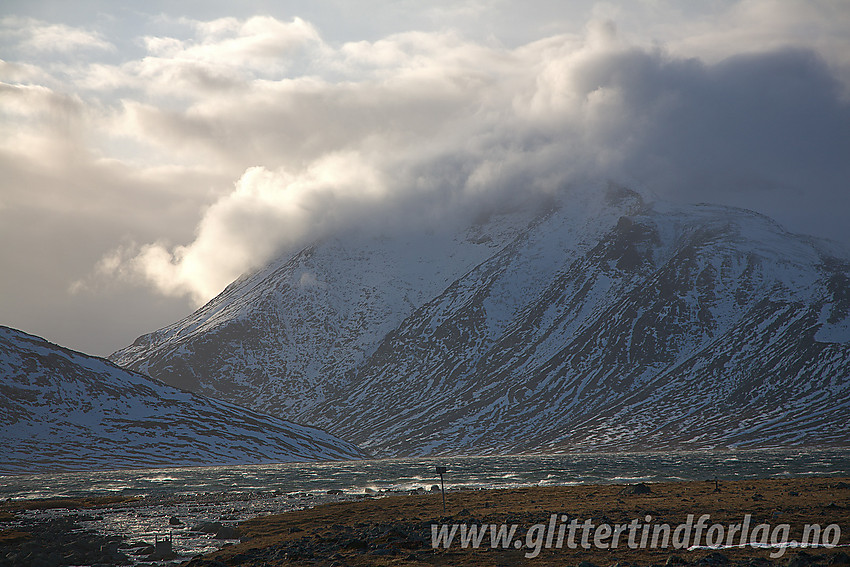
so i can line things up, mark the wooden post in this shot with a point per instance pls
(440, 471)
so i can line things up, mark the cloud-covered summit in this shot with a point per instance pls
(443, 125)
(167, 161)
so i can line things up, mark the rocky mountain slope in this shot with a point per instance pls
(63, 410)
(596, 321)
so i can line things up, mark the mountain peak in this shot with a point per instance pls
(592, 321)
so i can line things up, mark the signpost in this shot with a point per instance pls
(441, 471)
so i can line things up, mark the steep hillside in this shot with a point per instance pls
(63, 410)
(596, 322)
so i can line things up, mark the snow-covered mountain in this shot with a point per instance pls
(595, 321)
(64, 410)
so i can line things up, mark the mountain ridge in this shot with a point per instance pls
(65, 410)
(558, 328)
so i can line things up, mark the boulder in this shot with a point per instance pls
(227, 532)
(639, 488)
(207, 527)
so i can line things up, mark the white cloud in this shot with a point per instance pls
(260, 44)
(21, 73)
(436, 123)
(751, 26)
(44, 37)
(267, 210)
(228, 140)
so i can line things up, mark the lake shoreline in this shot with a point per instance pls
(399, 529)
(396, 527)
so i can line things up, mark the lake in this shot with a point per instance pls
(229, 494)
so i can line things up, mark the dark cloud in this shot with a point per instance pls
(769, 132)
(166, 174)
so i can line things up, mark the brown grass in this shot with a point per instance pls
(395, 530)
(13, 537)
(67, 503)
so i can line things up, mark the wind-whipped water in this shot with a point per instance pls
(229, 494)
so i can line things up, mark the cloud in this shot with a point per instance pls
(267, 210)
(440, 124)
(760, 26)
(167, 172)
(43, 37)
(228, 49)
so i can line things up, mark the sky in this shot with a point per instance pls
(150, 153)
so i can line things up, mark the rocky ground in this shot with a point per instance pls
(65, 532)
(60, 541)
(396, 530)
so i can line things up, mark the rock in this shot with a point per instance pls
(227, 532)
(800, 559)
(199, 561)
(639, 488)
(435, 488)
(145, 550)
(174, 521)
(335, 491)
(714, 558)
(207, 527)
(356, 544)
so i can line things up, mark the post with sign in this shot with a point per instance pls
(441, 471)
